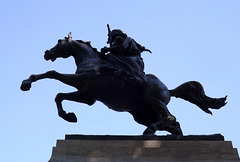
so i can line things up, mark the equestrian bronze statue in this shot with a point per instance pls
(115, 76)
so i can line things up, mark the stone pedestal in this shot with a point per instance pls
(81, 148)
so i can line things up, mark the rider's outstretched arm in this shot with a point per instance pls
(109, 49)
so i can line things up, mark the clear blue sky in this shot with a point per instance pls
(190, 40)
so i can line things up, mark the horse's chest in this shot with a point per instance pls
(88, 66)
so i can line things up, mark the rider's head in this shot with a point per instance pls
(114, 33)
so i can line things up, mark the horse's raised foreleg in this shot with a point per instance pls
(74, 96)
(69, 79)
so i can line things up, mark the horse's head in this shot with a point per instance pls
(62, 49)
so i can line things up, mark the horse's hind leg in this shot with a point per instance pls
(69, 79)
(172, 127)
(74, 96)
(164, 111)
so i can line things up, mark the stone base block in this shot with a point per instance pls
(81, 148)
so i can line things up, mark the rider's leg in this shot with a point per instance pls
(73, 96)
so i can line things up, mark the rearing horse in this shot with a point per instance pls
(93, 83)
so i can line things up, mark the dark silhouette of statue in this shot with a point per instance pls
(115, 76)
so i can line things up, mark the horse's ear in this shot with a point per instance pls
(70, 36)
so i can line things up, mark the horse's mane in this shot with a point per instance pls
(88, 43)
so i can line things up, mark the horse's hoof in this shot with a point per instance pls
(71, 117)
(26, 85)
(149, 132)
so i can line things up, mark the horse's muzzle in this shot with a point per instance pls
(49, 56)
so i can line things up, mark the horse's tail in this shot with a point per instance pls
(193, 92)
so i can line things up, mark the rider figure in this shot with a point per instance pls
(125, 53)
(121, 44)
